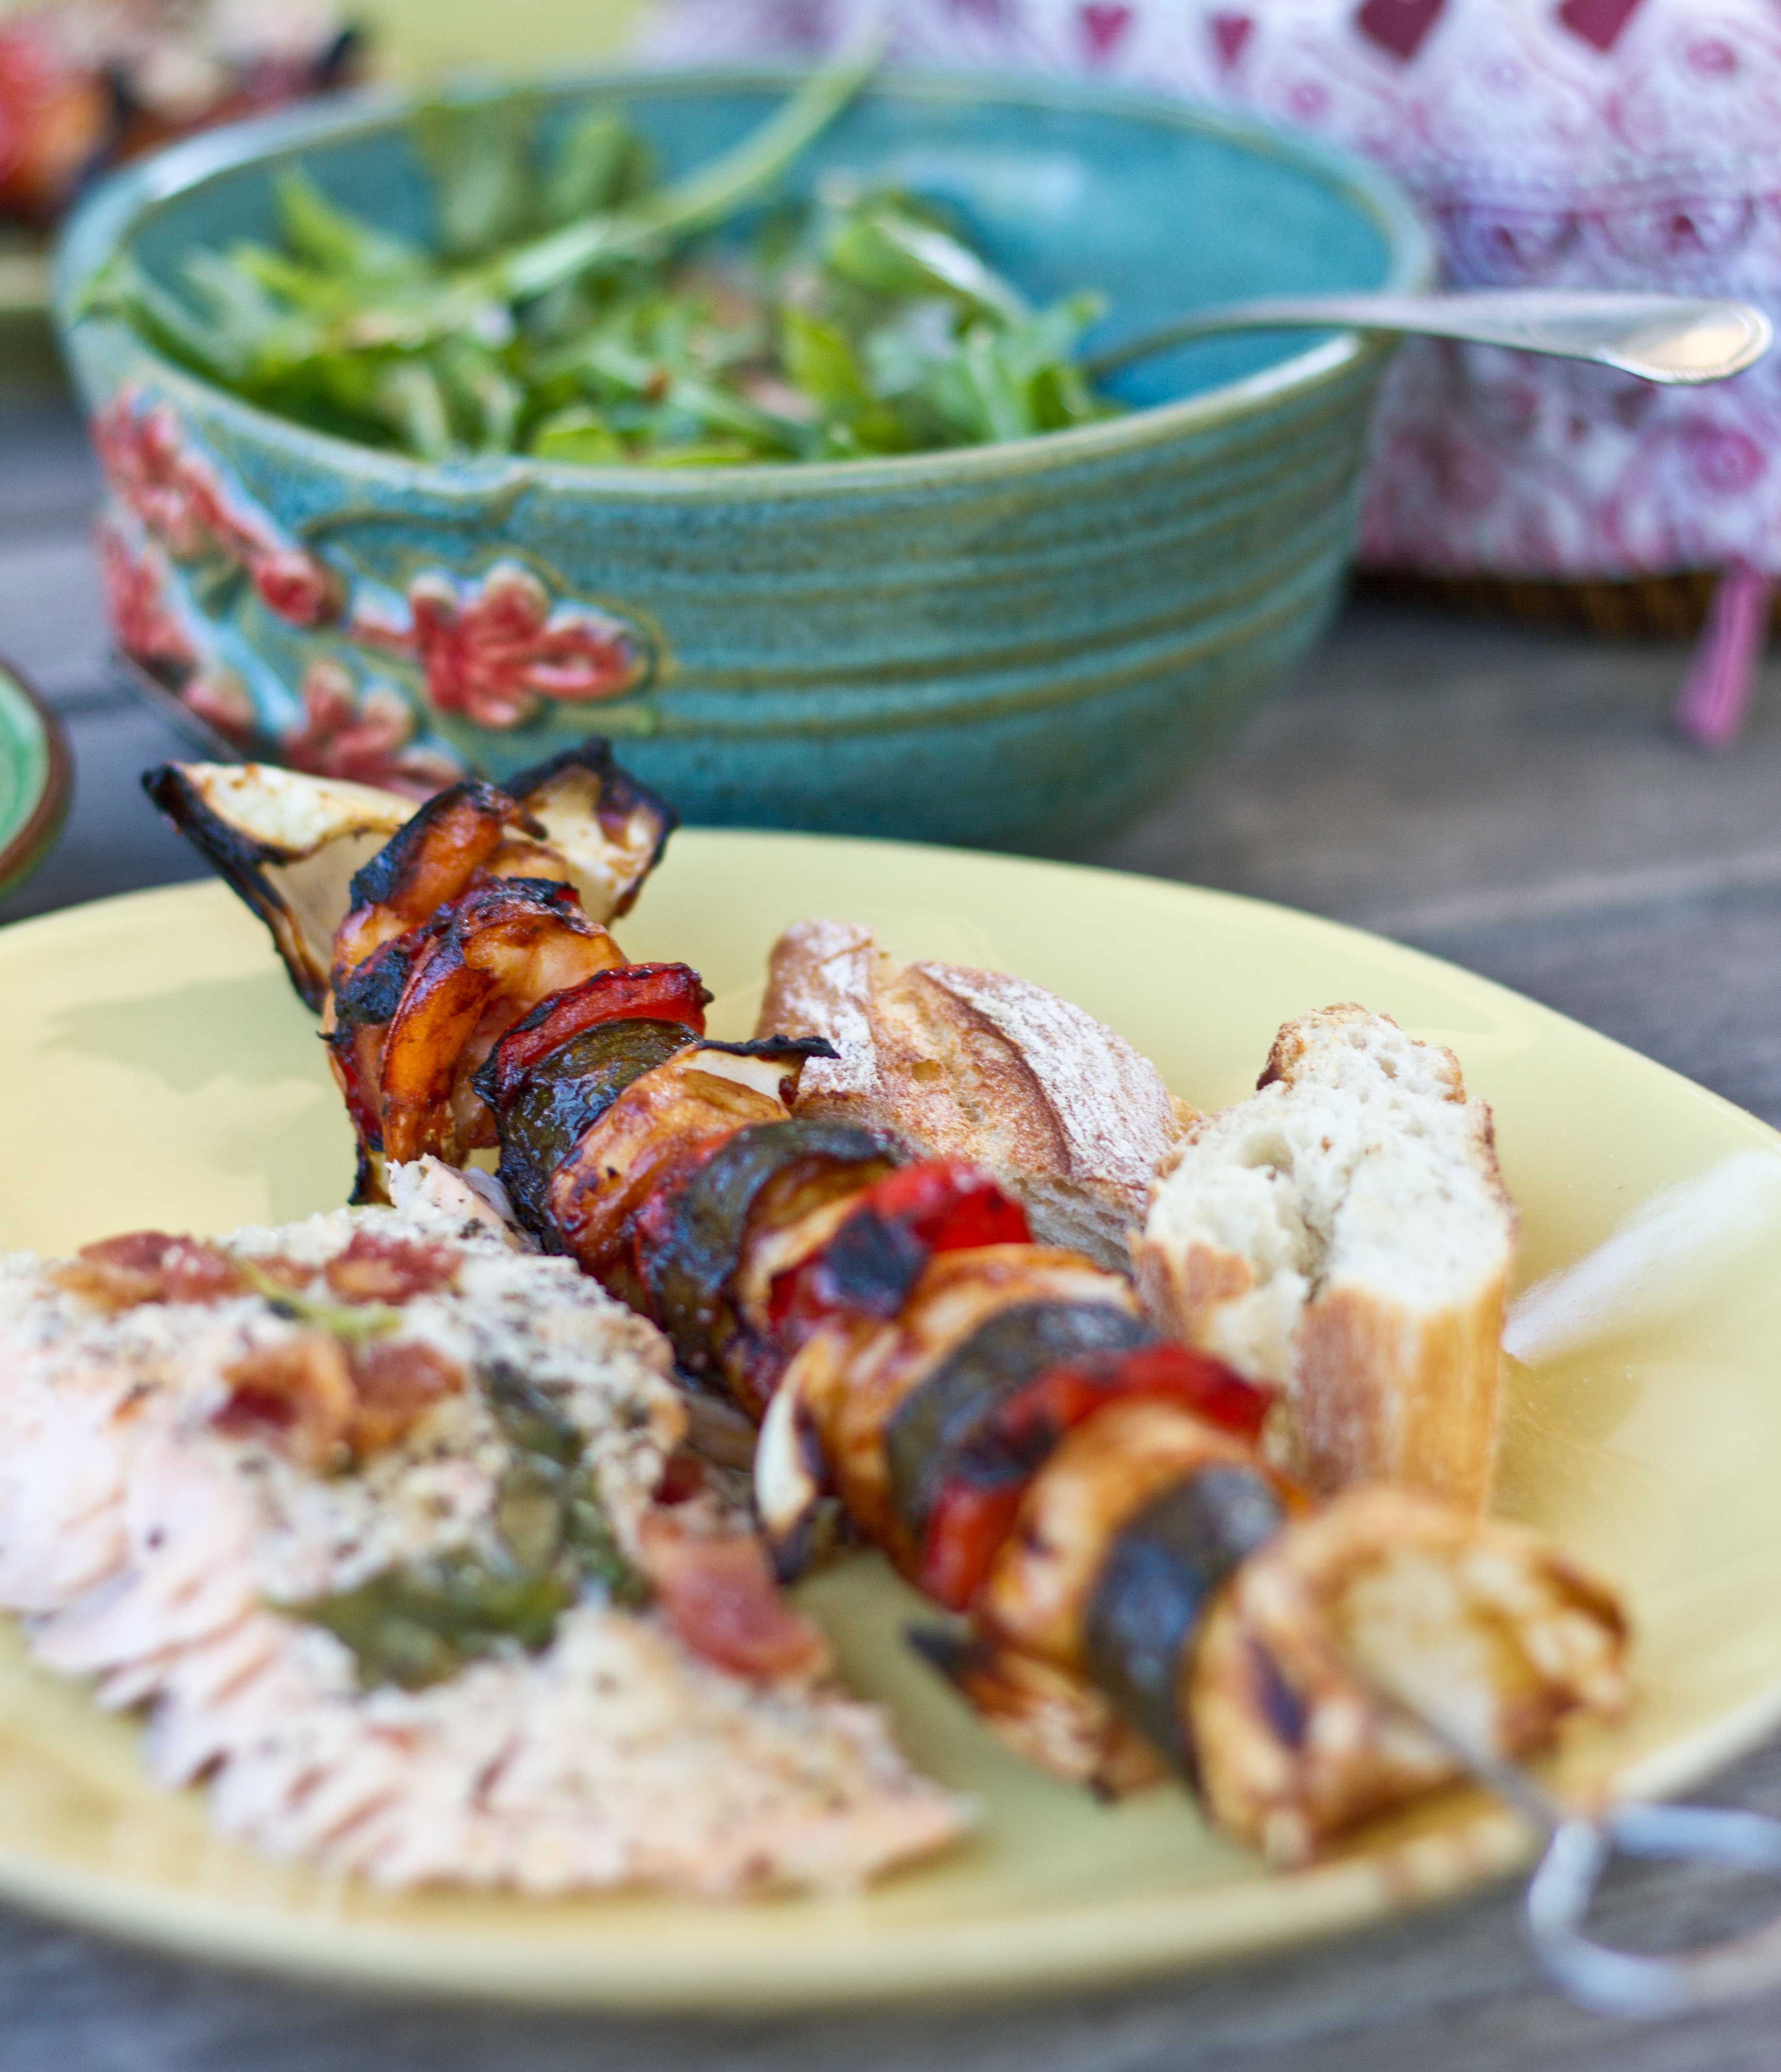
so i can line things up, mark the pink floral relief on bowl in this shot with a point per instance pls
(158, 632)
(139, 598)
(155, 472)
(496, 648)
(180, 540)
(366, 735)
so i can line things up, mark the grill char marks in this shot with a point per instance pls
(611, 830)
(983, 1472)
(547, 1114)
(625, 993)
(992, 1414)
(285, 843)
(929, 1427)
(689, 1272)
(422, 866)
(558, 1070)
(1161, 1573)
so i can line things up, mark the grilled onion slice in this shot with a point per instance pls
(285, 843)
(1502, 1632)
(608, 829)
(291, 846)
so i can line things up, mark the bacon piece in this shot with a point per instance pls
(682, 1477)
(328, 1406)
(132, 1251)
(376, 1268)
(718, 1593)
(117, 1273)
(621, 992)
(502, 947)
(300, 1392)
(431, 860)
(395, 1384)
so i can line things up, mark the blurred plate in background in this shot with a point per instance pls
(36, 779)
(415, 41)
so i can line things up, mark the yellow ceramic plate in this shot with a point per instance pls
(156, 1069)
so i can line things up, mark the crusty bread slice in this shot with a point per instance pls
(1344, 1233)
(984, 1066)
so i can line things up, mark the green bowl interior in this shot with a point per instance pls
(1158, 207)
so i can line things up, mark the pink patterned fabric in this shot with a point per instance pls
(1564, 143)
(1716, 696)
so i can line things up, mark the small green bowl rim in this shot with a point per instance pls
(122, 204)
(28, 839)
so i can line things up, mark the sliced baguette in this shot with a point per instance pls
(1344, 1233)
(984, 1066)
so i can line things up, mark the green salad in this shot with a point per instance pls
(577, 307)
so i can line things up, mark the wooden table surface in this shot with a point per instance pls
(1509, 800)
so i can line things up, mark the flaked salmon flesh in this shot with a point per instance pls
(148, 1550)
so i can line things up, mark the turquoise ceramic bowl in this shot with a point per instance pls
(1019, 645)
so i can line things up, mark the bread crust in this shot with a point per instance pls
(978, 1065)
(1377, 1388)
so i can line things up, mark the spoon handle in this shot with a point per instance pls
(1667, 339)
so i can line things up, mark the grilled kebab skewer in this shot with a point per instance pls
(1134, 1590)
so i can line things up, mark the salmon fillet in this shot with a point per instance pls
(157, 1543)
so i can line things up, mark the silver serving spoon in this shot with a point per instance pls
(1660, 338)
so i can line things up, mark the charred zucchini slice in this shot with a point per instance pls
(1160, 1574)
(687, 1275)
(939, 1418)
(547, 1115)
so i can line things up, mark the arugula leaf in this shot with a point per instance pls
(880, 246)
(334, 241)
(601, 164)
(576, 308)
(421, 1622)
(820, 359)
(576, 433)
(703, 198)
(355, 1323)
(478, 154)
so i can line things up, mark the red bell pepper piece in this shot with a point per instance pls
(898, 1224)
(977, 1506)
(625, 993)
